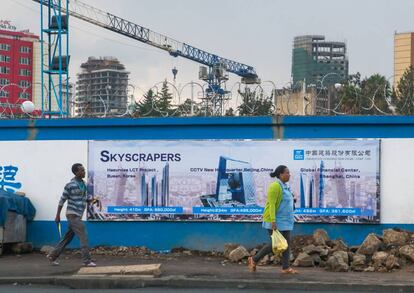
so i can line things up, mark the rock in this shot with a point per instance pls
(316, 259)
(275, 259)
(304, 260)
(343, 255)
(324, 253)
(312, 249)
(358, 262)
(370, 245)
(238, 254)
(265, 260)
(254, 251)
(46, 249)
(354, 248)
(339, 245)
(336, 262)
(382, 269)
(229, 247)
(320, 236)
(22, 247)
(392, 237)
(392, 262)
(380, 257)
(369, 269)
(123, 249)
(407, 251)
(350, 256)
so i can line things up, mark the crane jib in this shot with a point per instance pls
(175, 48)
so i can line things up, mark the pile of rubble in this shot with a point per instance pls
(141, 251)
(391, 251)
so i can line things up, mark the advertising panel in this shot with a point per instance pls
(227, 180)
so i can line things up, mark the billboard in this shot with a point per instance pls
(227, 180)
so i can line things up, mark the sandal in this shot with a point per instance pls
(289, 271)
(251, 264)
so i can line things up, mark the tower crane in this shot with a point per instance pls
(214, 69)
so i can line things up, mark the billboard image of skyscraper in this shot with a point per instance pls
(155, 192)
(235, 185)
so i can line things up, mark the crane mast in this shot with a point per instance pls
(215, 68)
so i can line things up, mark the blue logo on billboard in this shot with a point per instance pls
(298, 154)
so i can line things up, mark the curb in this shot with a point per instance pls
(140, 281)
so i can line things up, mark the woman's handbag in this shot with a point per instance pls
(279, 243)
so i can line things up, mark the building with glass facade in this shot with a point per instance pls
(318, 62)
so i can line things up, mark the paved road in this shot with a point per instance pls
(53, 289)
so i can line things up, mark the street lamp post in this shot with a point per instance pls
(108, 108)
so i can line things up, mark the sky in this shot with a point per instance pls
(258, 33)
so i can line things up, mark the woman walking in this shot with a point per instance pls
(278, 214)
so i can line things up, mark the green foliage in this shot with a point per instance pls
(155, 105)
(230, 112)
(364, 97)
(254, 104)
(348, 100)
(405, 93)
(188, 108)
(145, 108)
(375, 90)
(164, 101)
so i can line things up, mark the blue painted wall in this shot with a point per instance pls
(196, 235)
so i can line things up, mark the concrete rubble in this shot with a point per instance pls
(377, 253)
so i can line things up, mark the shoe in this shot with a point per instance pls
(289, 271)
(89, 264)
(251, 264)
(53, 261)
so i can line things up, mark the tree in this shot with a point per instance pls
(147, 106)
(164, 101)
(405, 93)
(375, 90)
(188, 108)
(230, 112)
(348, 99)
(254, 104)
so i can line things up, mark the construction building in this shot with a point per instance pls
(403, 54)
(101, 88)
(296, 102)
(306, 100)
(318, 62)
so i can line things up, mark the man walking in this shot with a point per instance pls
(76, 195)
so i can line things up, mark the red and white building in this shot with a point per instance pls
(19, 68)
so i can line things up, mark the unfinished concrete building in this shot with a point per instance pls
(318, 62)
(101, 88)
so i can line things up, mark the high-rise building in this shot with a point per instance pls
(156, 192)
(235, 182)
(19, 68)
(321, 198)
(318, 62)
(102, 88)
(403, 54)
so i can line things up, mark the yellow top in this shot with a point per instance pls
(274, 197)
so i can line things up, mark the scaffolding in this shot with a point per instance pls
(54, 48)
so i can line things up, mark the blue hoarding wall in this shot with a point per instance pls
(211, 235)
